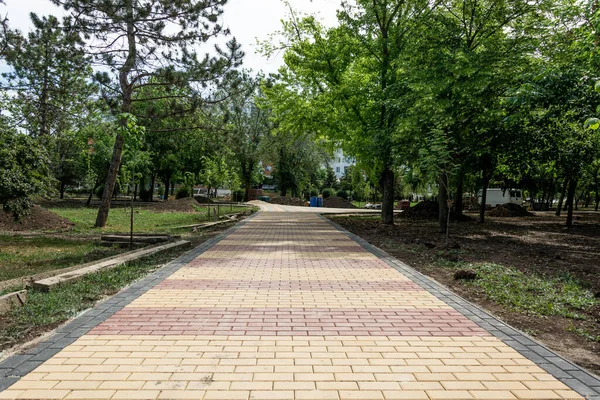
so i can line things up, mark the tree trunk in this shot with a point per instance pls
(387, 206)
(570, 200)
(443, 202)
(562, 198)
(486, 183)
(167, 183)
(126, 93)
(152, 183)
(458, 200)
(172, 188)
(62, 190)
(111, 180)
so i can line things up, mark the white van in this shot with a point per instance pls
(496, 197)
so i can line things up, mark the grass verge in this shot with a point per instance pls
(22, 256)
(145, 221)
(45, 311)
(530, 293)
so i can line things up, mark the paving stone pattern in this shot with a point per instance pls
(287, 306)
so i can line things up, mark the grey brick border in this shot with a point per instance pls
(15, 367)
(583, 382)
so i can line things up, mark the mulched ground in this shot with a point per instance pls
(540, 244)
(181, 205)
(337, 202)
(38, 219)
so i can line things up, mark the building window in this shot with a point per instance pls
(337, 169)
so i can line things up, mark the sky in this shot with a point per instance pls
(248, 21)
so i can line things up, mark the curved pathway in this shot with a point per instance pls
(288, 306)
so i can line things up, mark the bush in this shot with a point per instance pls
(328, 192)
(314, 193)
(145, 194)
(183, 192)
(238, 195)
(343, 194)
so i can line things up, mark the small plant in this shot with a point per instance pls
(183, 192)
(328, 192)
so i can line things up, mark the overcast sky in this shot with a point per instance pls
(248, 20)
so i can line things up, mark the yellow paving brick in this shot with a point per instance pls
(43, 394)
(181, 395)
(74, 385)
(536, 394)
(448, 394)
(362, 395)
(495, 394)
(135, 394)
(272, 395)
(90, 394)
(227, 395)
(316, 395)
(405, 394)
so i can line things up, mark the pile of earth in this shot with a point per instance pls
(337, 202)
(509, 210)
(288, 201)
(203, 200)
(38, 219)
(187, 204)
(471, 204)
(427, 209)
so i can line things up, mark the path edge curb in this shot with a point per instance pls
(18, 365)
(577, 378)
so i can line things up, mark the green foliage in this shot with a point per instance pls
(328, 192)
(21, 256)
(24, 172)
(343, 194)
(533, 294)
(183, 192)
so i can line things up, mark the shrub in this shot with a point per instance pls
(145, 194)
(343, 194)
(183, 192)
(328, 192)
(238, 195)
(314, 193)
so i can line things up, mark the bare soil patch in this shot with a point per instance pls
(187, 204)
(38, 219)
(539, 246)
(337, 202)
(288, 201)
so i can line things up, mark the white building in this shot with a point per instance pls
(340, 163)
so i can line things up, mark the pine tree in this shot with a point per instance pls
(48, 79)
(148, 42)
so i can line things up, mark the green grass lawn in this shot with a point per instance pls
(145, 221)
(45, 311)
(21, 256)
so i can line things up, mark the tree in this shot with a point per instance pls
(247, 124)
(147, 43)
(48, 81)
(24, 172)
(344, 83)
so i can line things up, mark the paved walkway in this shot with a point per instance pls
(286, 307)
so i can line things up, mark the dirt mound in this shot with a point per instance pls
(337, 202)
(428, 209)
(203, 200)
(181, 205)
(38, 219)
(509, 210)
(288, 201)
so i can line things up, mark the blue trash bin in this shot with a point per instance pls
(319, 202)
(313, 201)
